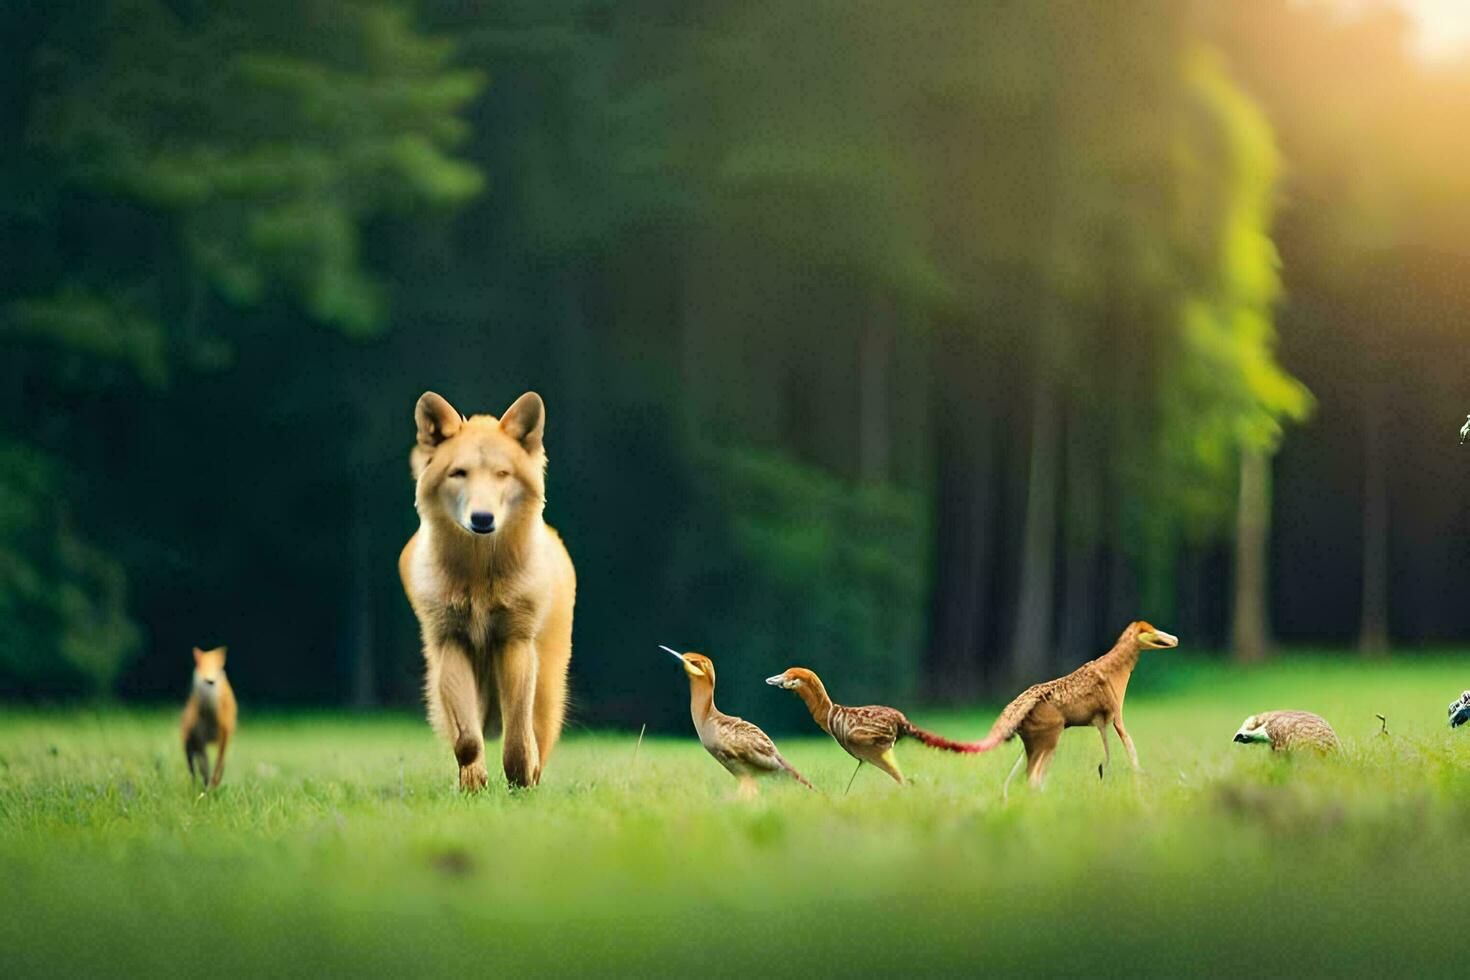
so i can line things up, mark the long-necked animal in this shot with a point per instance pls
(1090, 695)
(492, 586)
(744, 750)
(868, 733)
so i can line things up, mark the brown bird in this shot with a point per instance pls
(1289, 730)
(736, 744)
(1090, 695)
(867, 733)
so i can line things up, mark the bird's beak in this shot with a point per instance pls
(778, 681)
(1248, 735)
(689, 668)
(1159, 638)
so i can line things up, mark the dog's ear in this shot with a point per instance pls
(197, 654)
(525, 421)
(222, 651)
(436, 419)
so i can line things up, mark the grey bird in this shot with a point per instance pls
(1460, 709)
(1286, 731)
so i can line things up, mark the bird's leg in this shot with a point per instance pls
(1005, 791)
(1102, 729)
(854, 776)
(889, 764)
(748, 788)
(1127, 742)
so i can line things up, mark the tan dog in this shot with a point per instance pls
(209, 716)
(491, 584)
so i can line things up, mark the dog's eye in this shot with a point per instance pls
(457, 474)
(503, 474)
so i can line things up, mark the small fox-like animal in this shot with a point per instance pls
(209, 716)
(868, 733)
(1090, 695)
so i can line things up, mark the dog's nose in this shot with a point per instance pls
(482, 522)
(209, 681)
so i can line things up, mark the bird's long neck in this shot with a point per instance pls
(1118, 663)
(701, 699)
(814, 694)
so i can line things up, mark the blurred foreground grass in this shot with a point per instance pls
(338, 844)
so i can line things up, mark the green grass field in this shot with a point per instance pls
(339, 844)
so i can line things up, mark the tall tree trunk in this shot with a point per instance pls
(1373, 626)
(1252, 533)
(1193, 618)
(1032, 637)
(1122, 587)
(959, 620)
(1084, 519)
(875, 409)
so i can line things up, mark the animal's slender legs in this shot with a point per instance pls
(854, 776)
(1102, 729)
(889, 764)
(515, 677)
(198, 762)
(219, 758)
(1127, 742)
(189, 759)
(459, 697)
(1044, 744)
(1038, 769)
(1005, 792)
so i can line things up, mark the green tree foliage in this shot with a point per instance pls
(1034, 174)
(856, 321)
(827, 565)
(199, 160)
(64, 621)
(268, 131)
(1372, 235)
(1220, 389)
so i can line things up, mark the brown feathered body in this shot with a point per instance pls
(743, 749)
(866, 733)
(1289, 731)
(1091, 695)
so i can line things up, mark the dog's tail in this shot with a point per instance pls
(910, 730)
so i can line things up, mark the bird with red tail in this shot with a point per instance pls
(868, 733)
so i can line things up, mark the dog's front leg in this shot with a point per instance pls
(515, 676)
(459, 696)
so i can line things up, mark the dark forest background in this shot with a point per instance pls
(923, 344)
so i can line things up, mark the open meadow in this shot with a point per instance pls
(339, 844)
